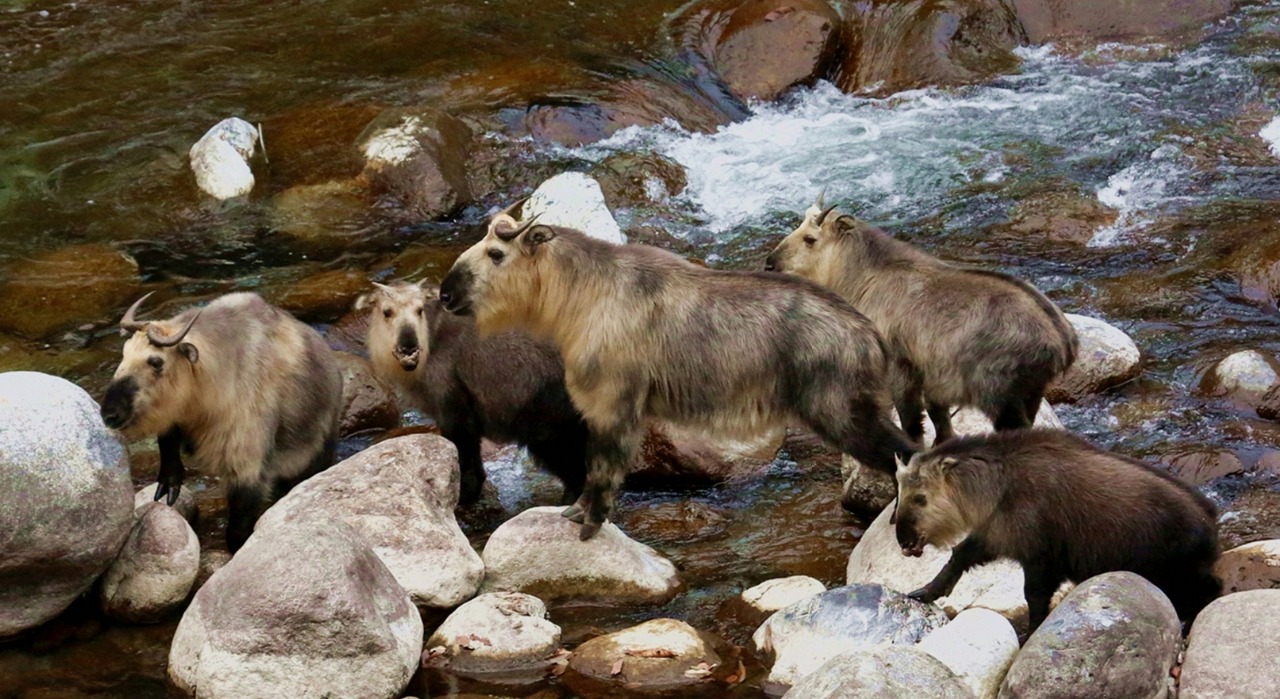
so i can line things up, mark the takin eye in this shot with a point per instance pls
(496, 255)
(386, 313)
(809, 241)
(919, 499)
(156, 363)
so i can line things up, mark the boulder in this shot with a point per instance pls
(220, 159)
(1232, 649)
(1199, 466)
(419, 158)
(803, 636)
(156, 568)
(538, 552)
(368, 403)
(883, 672)
(185, 506)
(1269, 404)
(211, 561)
(1107, 357)
(1253, 566)
(1244, 377)
(1054, 20)
(639, 179)
(66, 502)
(303, 610)
(399, 496)
(321, 297)
(573, 200)
(977, 646)
(501, 633)
(661, 657)
(1060, 216)
(323, 219)
(1115, 636)
(673, 455)
(777, 594)
(58, 290)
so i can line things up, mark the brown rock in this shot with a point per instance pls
(1049, 20)
(1269, 404)
(61, 289)
(320, 297)
(367, 402)
(419, 158)
(679, 520)
(1253, 566)
(638, 179)
(322, 216)
(312, 143)
(671, 456)
(659, 658)
(1198, 467)
(1060, 216)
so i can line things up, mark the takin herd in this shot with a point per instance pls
(567, 345)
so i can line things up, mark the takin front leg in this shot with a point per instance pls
(172, 472)
(907, 386)
(1039, 584)
(245, 503)
(466, 438)
(969, 553)
(609, 453)
(940, 416)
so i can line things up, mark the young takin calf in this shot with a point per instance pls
(1063, 509)
(507, 387)
(647, 335)
(246, 390)
(957, 336)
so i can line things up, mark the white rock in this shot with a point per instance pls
(220, 159)
(978, 646)
(303, 610)
(186, 504)
(1253, 566)
(538, 552)
(772, 595)
(399, 495)
(1271, 134)
(1107, 357)
(501, 632)
(1245, 376)
(574, 200)
(154, 572)
(661, 657)
(1232, 649)
(66, 501)
(883, 672)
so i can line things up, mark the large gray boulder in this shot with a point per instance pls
(399, 495)
(156, 568)
(1107, 357)
(978, 646)
(303, 610)
(1232, 649)
(882, 672)
(538, 552)
(806, 634)
(499, 634)
(66, 502)
(1116, 636)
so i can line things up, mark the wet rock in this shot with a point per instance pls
(1232, 649)
(885, 672)
(1115, 636)
(155, 570)
(672, 455)
(639, 179)
(419, 157)
(211, 561)
(573, 200)
(185, 506)
(661, 657)
(59, 290)
(1244, 377)
(1050, 20)
(305, 609)
(1107, 357)
(399, 496)
(66, 502)
(220, 159)
(1254, 566)
(758, 603)
(1269, 404)
(1198, 467)
(1253, 515)
(681, 520)
(502, 633)
(760, 48)
(311, 143)
(538, 552)
(367, 402)
(878, 558)
(1069, 217)
(803, 636)
(320, 297)
(322, 217)
(978, 646)
(904, 45)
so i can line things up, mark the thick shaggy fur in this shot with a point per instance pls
(1064, 510)
(251, 395)
(507, 387)
(646, 335)
(957, 336)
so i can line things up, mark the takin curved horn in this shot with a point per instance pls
(821, 196)
(510, 235)
(822, 215)
(507, 216)
(161, 340)
(129, 322)
(383, 287)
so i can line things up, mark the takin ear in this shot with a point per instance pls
(430, 291)
(845, 225)
(537, 235)
(189, 351)
(364, 301)
(948, 463)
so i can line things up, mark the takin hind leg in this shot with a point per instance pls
(1040, 581)
(862, 431)
(1011, 415)
(908, 387)
(466, 439)
(940, 416)
(566, 459)
(609, 453)
(245, 503)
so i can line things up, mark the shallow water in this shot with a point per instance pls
(99, 103)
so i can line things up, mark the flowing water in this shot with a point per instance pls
(99, 102)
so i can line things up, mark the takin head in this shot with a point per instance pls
(155, 379)
(811, 250)
(932, 508)
(399, 316)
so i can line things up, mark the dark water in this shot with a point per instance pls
(99, 103)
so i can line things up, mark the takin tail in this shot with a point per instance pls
(1070, 343)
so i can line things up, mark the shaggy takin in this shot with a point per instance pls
(1063, 509)
(507, 387)
(647, 335)
(957, 336)
(244, 389)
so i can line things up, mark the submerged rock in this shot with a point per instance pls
(672, 455)
(58, 290)
(1107, 357)
(1232, 649)
(1116, 636)
(185, 505)
(399, 496)
(368, 403)
(978, 646)
(320, 297)
(66, 501)
(777, 594)
(883, 672)
(1244, 377)
(538, 552)
(1253, 566)
(808, 633)
(501, 633)
(573, 200)
(661, 657)
(303, 610)
(220, 159)
(639, 179)
(1199, 466)
(156, 569)
(1050, 20)
(419, 157)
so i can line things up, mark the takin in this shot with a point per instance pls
(1063, 509)
(507, 387)
(647, 335)
(957, 336)
(244, 389)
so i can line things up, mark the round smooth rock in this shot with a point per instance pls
(1107, 357)
(1232, 649)
(978, 646)
(884, 672)
(573, 200)
(661, 657)
(505, 633)
(419, 157)
(155, 570)
(1252, 566)
(368, 403)
(1243, 376)
(220, 159)
(185, 505)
